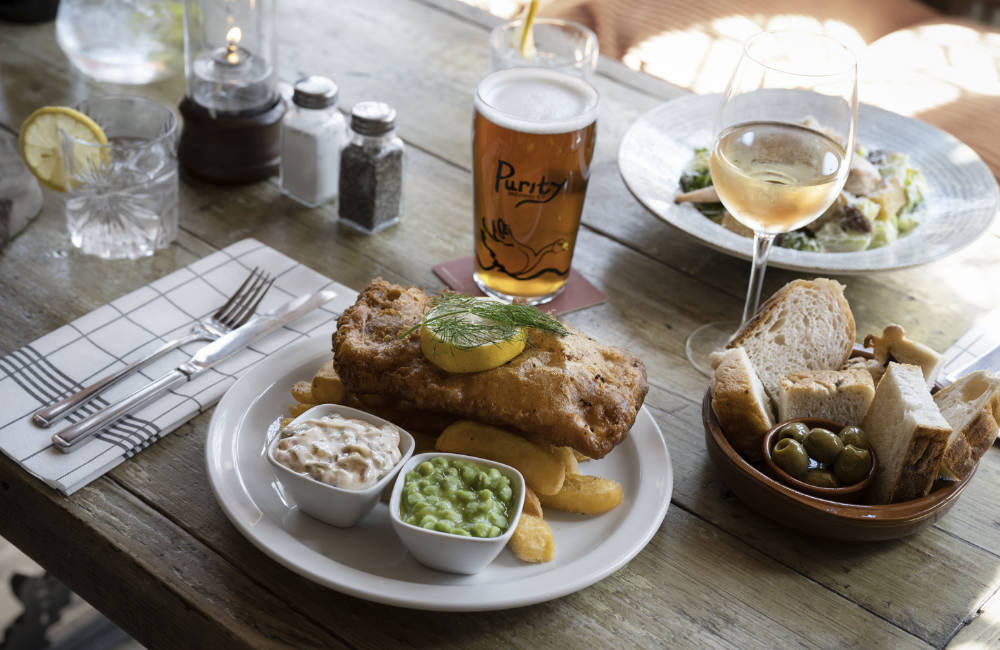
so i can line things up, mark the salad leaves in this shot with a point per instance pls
(889, 209)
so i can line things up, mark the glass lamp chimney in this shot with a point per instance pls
(230, 51)
(232, 109)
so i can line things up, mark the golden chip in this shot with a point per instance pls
(302, 392)
(568, 458)
(586, 495)
(298, 409)
(532, 540)
(532, 506)
(327, 388)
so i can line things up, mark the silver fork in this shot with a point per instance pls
(235, 312)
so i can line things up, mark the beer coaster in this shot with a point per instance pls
(578, 294)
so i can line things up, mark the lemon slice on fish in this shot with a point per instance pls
(40, 144)
(462, 342)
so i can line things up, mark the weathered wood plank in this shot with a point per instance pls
(982, 631)
(968, 518)
(116, 552)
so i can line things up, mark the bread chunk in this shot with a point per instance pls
(908, 433)
(894, 346)
(972, 407)
(564, 390)
(839, 395)
(740, 403)
(871, 366)
(805, 325)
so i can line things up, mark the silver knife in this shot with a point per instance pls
(989, 361)
(225, 346)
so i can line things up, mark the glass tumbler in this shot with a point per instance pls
(558, 44)
(122, 201)
(122, 41)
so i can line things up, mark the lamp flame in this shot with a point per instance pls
(233, 37)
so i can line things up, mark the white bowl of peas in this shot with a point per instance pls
(455, 513)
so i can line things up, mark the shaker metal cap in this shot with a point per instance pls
(373, 118)
(315, 91)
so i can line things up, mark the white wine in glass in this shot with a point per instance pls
(782, 149)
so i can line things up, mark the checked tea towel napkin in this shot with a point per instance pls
(126, 329)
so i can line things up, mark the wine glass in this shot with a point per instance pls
(782, 150)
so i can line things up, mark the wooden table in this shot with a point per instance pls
(148, 545)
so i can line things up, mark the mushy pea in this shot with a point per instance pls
(457, 497)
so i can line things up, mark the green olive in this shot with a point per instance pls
(823, 445)
(822, 478)
(853, 464)
(791, 456)
(796, 430)
(854, 436)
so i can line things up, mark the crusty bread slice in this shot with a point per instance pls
(894, 346)
(805, 325)
(871, 366)
(972, 407)
(839, 395)
(740, 403)
(908, 434)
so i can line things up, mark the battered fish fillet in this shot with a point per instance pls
(565, 390)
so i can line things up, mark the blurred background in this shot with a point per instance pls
(937, 60)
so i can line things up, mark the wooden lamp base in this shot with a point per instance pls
(230, 150)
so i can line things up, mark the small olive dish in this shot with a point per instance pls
(447, 551)
(849, 493)
(331, 504)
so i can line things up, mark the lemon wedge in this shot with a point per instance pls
(451, 357)
(40, 144)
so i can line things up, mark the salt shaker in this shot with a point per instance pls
(312, 135)
(371, 170)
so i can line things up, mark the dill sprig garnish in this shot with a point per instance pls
(467, 322)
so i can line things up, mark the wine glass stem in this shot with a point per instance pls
(761, 249)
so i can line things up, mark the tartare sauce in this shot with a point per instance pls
(346, 453)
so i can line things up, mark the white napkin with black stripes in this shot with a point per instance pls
(77, 354)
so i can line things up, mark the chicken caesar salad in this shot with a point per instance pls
(883, 199)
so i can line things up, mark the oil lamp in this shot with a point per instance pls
(232, 109)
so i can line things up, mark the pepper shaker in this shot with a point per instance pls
(371, 170)
(312, 135)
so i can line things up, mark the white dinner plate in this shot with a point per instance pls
(368, 561)
(962, 197)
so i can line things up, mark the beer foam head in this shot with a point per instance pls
(536, 100)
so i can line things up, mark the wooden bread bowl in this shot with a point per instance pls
(816, 516)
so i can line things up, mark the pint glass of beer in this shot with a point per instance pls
(533, 139)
